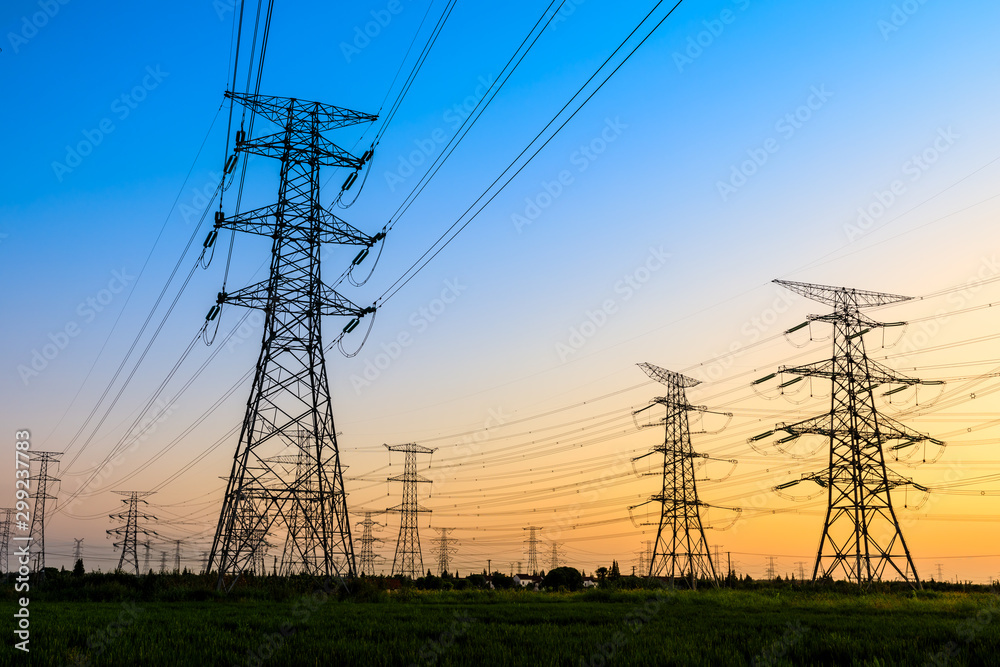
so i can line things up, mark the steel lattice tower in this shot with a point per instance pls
(42, 481)
(78, 549)
(681, 549)
(408, 561)
(532, 543)
(291, 392)
(145, 557)
(555, 556)
(129, 533)
(8, 517)
(445, 550)
(366, 561)
(861, 536)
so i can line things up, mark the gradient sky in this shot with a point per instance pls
(884, 87)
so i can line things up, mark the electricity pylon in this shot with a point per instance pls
(861, 536)
(366, 561)
(177, 557)
(291, 392)
(445, 549)
(408, 555)
(78, 549)
(8, 517)
(554, 563)
(129, 533)
(145, 557)
(532, 543)
(681, 550)
(42, 481)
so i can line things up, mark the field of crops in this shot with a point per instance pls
(406, 627)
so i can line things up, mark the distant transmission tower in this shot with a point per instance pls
(532, 543)
(177, 557)
(445, 549)
(681, 550)
(366, 561)
(129, 533)
(291, 392)
(408, 561)
(163, 562)
(145, 557)
(861, 536)
(8, 516)
(42, 481)
(77, 549)
(554, 563)
(771, 571)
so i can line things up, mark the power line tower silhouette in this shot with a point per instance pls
(680, 550)
(42, 482)
(366, 561)
(554, 562)
(771, 572)
(291, 391)
(8, 517)
(445, 549)
(163, 562)
(532, 543)
(177, 557)
(408, 555)
(861, 537)
(78, 549)
(129, 533)
(145, 557)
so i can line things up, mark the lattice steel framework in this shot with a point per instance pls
(532, 543)
(41, 481)
(8, 516)
(680, 551)
(409, 561)
(445, 550)
(366, 561)
(861, 537)
(291, 393)
(130, 531)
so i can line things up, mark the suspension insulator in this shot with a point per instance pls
(764, 379)
(361, 257)
(350, 181)
(231, 163)
(897, 390)
(351, 326)
(220, 218)
(789, 383)
(797, 327)
(761, 436)
(213, 313)
(367, 156)
(241, 136)
(210, 239)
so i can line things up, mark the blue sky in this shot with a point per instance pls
(873, 86)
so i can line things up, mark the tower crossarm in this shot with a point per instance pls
(330, 301)
(875, 374)
(300, 148)
(280, 109)
(839, 296)
(406, 508)
(314, 219)
(669, 378)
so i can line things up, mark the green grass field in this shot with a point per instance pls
(715, 627)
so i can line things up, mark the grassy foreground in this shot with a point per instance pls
(720, 627)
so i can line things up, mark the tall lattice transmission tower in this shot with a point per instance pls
(554, 562)
(366, 561)
(680, 551)
(861, 537)
(128, 533)
(42, 480)
(77, 549)
(408, 561)
(291, 393)
(145, 557)
(8, 516)
(532, 543)
(446, 548)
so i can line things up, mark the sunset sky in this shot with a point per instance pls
(848, 144)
